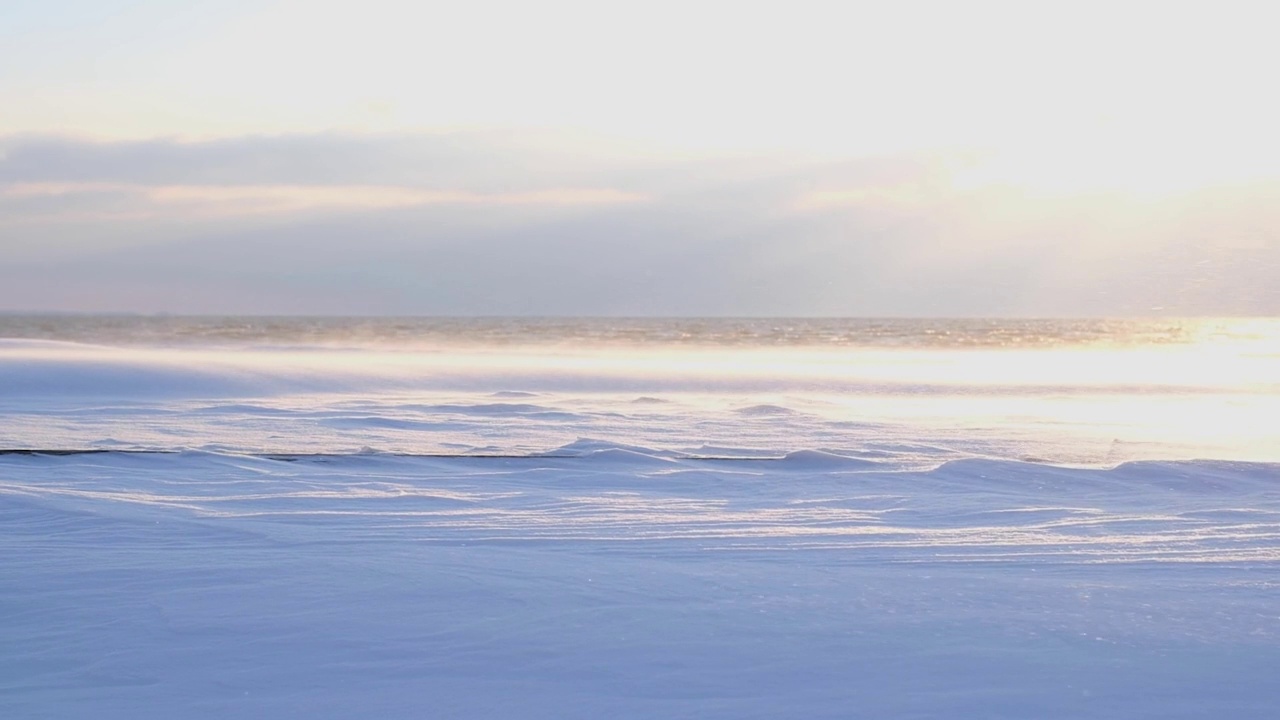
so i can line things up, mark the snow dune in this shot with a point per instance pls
(923, 407)
(611, 580)
(230, 528)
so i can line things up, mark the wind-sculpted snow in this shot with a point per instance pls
(610, 580)
(528, 400)
(560, 526)
(50, 370)
(964, 510)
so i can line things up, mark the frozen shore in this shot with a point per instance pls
(585, 519)
(635, 585)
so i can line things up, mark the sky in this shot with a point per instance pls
(657, 158)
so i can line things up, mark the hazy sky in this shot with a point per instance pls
(651, 158)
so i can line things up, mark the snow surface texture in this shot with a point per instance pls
(333, 533)
(921, 407)
(622, 584)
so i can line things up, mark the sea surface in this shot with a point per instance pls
(693, 518)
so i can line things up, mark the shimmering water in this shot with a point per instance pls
(734, 332)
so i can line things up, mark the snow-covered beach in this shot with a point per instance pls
(627, 361)
(642, 520)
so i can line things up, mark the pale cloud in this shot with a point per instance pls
(203, 201)
(840, 158)
(473, 225)
(473, 161)
(49, 180)
(903, 194)
(829, 79)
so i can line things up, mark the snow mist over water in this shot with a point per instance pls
(1077, 392)
(273, 517)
